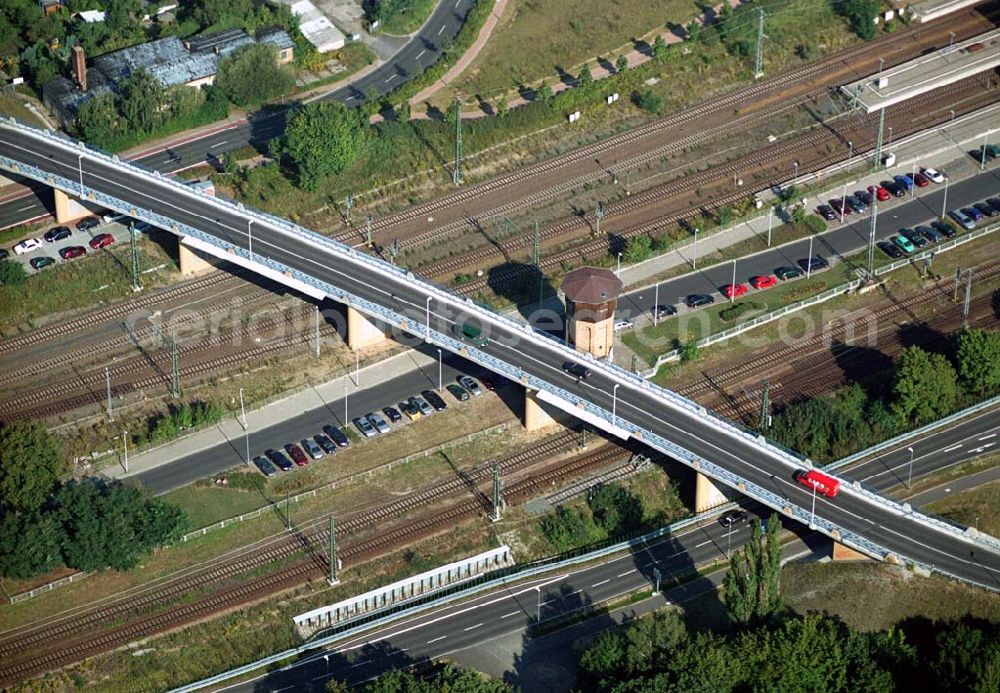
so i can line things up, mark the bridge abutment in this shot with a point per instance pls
(361, 331)
(68, 208)
(842, 553)
(192, 264)
(706, 494)
(535, 415)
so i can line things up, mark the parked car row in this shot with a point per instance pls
(759, 282)
(860, 200)
(61, 233)
(911, 240)
(370, 425)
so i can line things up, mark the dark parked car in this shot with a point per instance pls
(856, 204)
(337, 436)
(459, 392)
(88, 223)
(489, 381)
(840, 206)
(890, 249)
(101, 240)
(295, 452)
(905, 181)
(265, 466)
(973, 214)
(577, 369)
(278, 459)
(57, 233)
(915, 238)
(434, 399)
(864, 196)
(986, 209)
(994, 202)
(392, 414)
(947, 230)
(72, 251)
(329, 447)
(826, 211)
(699, 300)
(895, 189)
(663, 311)
(930, 234)
(813, 264)
(41, 262)
(786, 273)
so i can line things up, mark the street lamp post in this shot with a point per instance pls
(843, 203)
(619, 272)
(614, 405)
(427, 333)
(345, 403)
(538, 605)
(440, 381)
(951, 127)
(809, 258)
(694, 257)
(850, 153)
(250, 238)
(770, 220)
(812, 520)
(243, 422)
(909, 476)
(729, 541)
(889, 143)
(795, 180)
(732, 287)
(79, 164)
(125, 443)
(944, 203)
(656, 304)
(982, 156)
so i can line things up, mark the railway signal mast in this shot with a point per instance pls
(758, 67)
(332, 555)
(497, 494)
(457, 174)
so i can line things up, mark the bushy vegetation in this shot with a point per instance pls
(252, 75)
(861, 14)
(920, 388)
(753, 582)
(612, 512)
(322, 139)
(143, 109)
(793, 653)
(178, 419)
(398, 16)
(90, 524)
(12, 272)
(736, 310)
(447, 679)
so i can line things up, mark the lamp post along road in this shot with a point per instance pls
(427, 332)
(732, 291)
(125, 443)
(694, 252)
(243, 422)
(909, 475)
(250, 238)
(440, 364)
(656, 304)
(614, 405)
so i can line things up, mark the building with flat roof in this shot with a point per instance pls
(315, 26)
(172, 61)
(937, 69)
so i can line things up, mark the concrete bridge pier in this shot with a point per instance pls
(192, 264)
(706, 494)
(361, 331)
(536, 417)
(68, 208)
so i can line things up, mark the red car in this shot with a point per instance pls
(921, 180)
(734, 290)
(101, 240)
(72, 251)
(819, 482)
(879, 192)
(763, 281)
(295, 452)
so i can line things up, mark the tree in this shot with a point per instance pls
(638, 249)
(251, 75)
(324, 138)
(98, 121)
(648, 101)
(544, 93)
(659, 48)
(693, 30)
(209, 12)
(31, 461)
(584, 78)
(968, 659)
(141, 101)
(925, 386)
(861, 14)
(621, 64)
(605, 655)
(752, 585)
(616, 510)
(29, 544)
(978, 356)
(690, 351)
(12, 273)
(502, 106)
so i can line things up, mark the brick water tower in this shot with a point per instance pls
(591, 297)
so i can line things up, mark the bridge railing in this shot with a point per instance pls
(413, 326)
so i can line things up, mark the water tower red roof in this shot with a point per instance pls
(591, 285)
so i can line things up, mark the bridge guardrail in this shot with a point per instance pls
(635, 380)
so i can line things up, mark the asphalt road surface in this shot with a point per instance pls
(833, 245)
(903, 534)
(184, 470)
(519, 607)
(413, 58)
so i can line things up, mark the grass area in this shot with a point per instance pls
(207, 504)
(952, 473)
(16, 233)
(352, 57)
(869, 596)
(978, 507)
(409, 19)
(100, 278)
(12, 106)
(535, 39)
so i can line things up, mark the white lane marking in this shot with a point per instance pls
(218, 144)
(991, 435)
(626, 572)
(350, 98)
(419, 54)
(602, 582)
(472, 627)
(512, 613)
(953, 447)
(390, 77)
(24, 209)
(441, 30)
(361, 663)
(698, 546)
(429, 642)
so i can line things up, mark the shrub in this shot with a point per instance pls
(737, 309)
(648, 101)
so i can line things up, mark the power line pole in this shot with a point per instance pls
(968, 293)
(317, 331)
(765, 407)
(368, 231)
(394, 249)
(497, 493)
(133, 244)
(871, 239)
(332, 555)
(458, 142)
(348, 203)
(536, 257)
(878, 140)
(758, 68)
(175, 374)
(107, 382)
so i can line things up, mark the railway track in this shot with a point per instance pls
(761, 164)
(833, 69)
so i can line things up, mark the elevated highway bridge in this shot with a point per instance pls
(411, 308)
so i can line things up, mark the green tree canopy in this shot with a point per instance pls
(11, 272)
(251, 75)
(752, 585)
(925, 387)
(322, 139)
(141, 101)
(861, 14)
(29, 544)
(978, 356)
(31, 460)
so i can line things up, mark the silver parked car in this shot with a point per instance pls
(380, 424)
(311, 448)
(470, 384)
